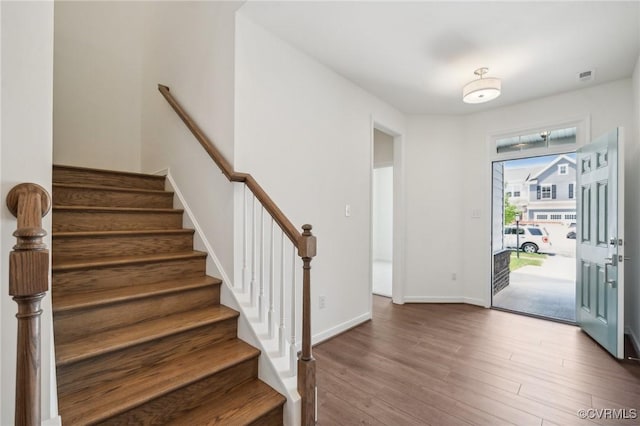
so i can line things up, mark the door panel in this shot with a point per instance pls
(599, 285)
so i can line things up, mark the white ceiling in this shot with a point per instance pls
(417, 56)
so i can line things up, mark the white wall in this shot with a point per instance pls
(608, 106)
(97, 77)
(305, 133)
(383, 214)
(632, 279)
(195, 58)
(435, 181)
(25, 156)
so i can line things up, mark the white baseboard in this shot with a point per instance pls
(54, 421)
(444, 299)
(634, 338)
(340, 328)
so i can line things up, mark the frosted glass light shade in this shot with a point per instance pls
(481, 90)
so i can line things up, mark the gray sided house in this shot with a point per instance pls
(544, 194)
(552, 192)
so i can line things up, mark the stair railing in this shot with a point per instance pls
(28, 284)
(254, 227)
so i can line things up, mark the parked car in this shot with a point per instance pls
(532, 239)
(572, 233)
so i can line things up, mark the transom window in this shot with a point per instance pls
(542, 139)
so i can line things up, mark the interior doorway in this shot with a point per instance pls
(534, 230)
(382, 213)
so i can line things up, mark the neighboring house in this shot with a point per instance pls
(546, 194)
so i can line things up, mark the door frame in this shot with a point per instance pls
(397, 263)
(583, 136)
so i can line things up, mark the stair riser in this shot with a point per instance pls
(78, 323)
(83, 280)
(108, 198)
(132, 245)
(272, 418)
(120, 364)
(96, 177)
(170, 407)
(69, 220)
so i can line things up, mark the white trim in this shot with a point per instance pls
(340, 328)
(54, 421)
(445, 299)
(635, 341)
(399, 222)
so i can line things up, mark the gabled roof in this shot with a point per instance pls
(556, 161)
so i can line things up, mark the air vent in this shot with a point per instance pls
(586, 75)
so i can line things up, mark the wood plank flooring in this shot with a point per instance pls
(449, 364)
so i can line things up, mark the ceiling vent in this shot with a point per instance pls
(586, 75)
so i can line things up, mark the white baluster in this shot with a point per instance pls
(261, 296)
(293, 351)
(254, 256)
(245, 240)
(272, 278)
(282, 330)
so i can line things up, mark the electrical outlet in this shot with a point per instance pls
(347, 210)
(322, 302)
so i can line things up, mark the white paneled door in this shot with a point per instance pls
(600, 242)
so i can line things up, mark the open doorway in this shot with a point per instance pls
(382, 213)
(535, 236)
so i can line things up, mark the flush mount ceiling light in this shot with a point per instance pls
(482, 89)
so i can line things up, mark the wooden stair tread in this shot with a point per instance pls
(115, 209)
(118, 233)
(86, 300)
(101, 402)
(110, 188)
(134, 334)
(242, 405)
(112, 172)
(71, 264)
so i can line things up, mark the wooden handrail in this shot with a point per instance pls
(227, 170)
(28, 283)
(305, 243)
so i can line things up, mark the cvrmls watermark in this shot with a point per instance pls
(608, 413)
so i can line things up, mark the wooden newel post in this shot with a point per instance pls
(306, 362)
(28, 283)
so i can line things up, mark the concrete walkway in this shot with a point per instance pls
(547, 290)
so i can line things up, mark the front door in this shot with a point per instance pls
(599, 280)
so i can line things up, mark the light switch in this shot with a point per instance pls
(475, 213)
(347, 210)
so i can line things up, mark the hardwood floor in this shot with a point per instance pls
(450, 364)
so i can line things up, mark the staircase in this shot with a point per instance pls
(141, 337)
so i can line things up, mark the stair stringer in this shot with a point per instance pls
(270, 363)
